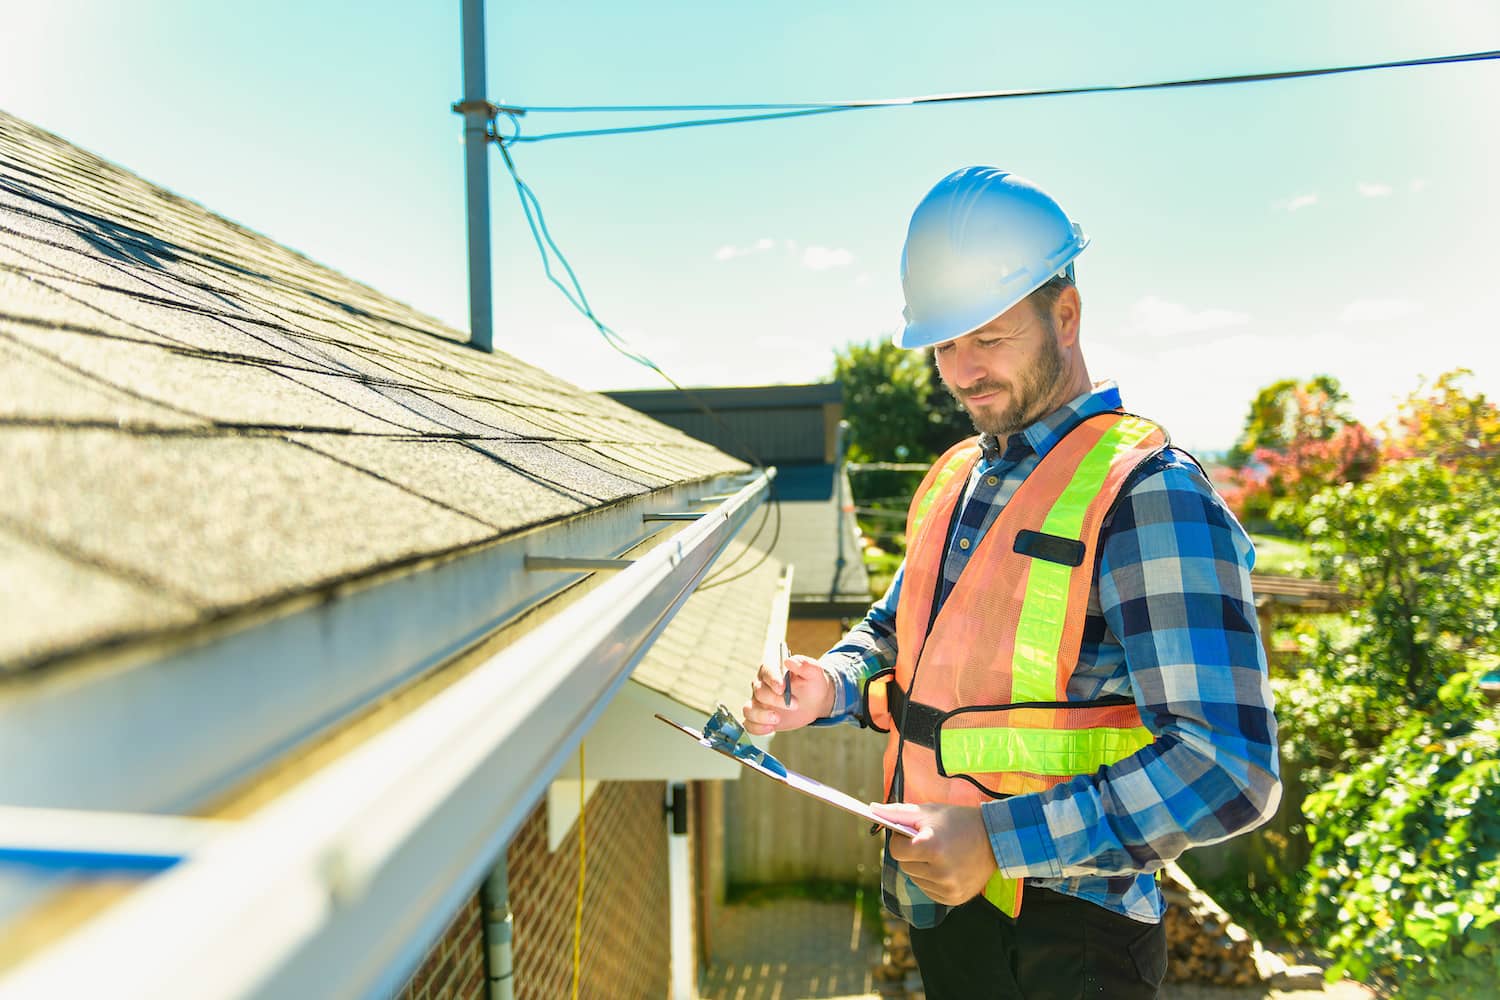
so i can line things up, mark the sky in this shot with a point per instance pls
(1342, 225)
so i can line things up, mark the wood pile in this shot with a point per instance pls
(896, 976)
(1203, 944)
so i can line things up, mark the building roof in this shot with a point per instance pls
(819, 535)
(795, 428)
(196, 421)
(711, 650)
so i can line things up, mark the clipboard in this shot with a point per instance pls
(722, 735)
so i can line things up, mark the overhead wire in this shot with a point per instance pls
(774, 112)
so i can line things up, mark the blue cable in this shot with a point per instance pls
(537, 223)
(779, 111)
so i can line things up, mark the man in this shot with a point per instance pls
(1067, 662)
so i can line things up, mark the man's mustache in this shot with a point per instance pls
(979, 389)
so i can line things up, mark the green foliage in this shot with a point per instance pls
(1405, 869)
(897, 408)
(1332, 720)
(1281, 555)
(886, 393)
(1419, 548)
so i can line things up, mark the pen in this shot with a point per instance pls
(786, 680)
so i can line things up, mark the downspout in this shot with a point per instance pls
(840, 446)
(497, 931)
(680, 893)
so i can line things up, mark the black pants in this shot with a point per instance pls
(1058, 948)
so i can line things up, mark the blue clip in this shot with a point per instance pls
(726, 734)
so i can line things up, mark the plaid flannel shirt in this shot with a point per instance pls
(1171, 622)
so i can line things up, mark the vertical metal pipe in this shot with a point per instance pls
(477, 173)
(497, 931)
(680, 894)
(840, 448)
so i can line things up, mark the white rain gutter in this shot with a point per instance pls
(336, 889)
(168, 730)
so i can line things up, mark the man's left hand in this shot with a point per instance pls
(950, 858)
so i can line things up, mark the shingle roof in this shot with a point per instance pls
(711, 650)
(195, 419)
(812, 519)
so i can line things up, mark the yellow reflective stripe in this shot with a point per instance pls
(947, 472)
(1045, 606)
(1038, 751)
(1004, 893)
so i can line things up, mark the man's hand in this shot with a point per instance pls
(812, 696)
(950, 858)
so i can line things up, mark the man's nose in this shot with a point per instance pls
(966, 366)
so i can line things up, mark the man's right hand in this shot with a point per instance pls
(812, 696)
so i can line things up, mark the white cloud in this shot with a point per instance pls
(729, 251)
(862, 279)
(1301, 201)
(1159, 317)
(1378, 310)
(823, 258)
(1418, 185)
(1372, 189)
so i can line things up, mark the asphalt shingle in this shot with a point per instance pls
(196, 419)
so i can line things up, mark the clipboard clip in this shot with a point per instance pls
(726, 734)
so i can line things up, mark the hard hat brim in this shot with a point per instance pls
(958, 323)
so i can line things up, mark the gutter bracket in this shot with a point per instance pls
(571, 563)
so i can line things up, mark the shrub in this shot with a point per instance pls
(1405, 868)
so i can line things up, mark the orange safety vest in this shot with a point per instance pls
(991, 717)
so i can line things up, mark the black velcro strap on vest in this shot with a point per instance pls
(917, 722)
(1052, 548)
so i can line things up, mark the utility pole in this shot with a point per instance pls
(477, 112)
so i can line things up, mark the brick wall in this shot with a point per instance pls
(626, 944)
(626, 941)
(454, 968)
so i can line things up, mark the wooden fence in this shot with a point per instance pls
(773, 834)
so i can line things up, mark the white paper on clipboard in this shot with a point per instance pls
(800, 782)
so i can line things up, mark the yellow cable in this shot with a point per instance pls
(578, 908)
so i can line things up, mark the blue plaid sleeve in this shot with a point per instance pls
(868, 648)
(1174, 588)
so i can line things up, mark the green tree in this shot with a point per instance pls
(1445, 423)
(947, 421)
(896, 405)
(1288, 410)
(1299, 438)
(886, 394)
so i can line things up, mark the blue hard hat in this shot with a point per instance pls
(979, 242)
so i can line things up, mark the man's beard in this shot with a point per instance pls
(1030, 398)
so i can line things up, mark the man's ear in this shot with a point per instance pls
(1067, 316)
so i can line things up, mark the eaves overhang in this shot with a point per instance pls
(334, 888)
(169, 730)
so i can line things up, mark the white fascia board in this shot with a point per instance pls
(335, 889)
(100, 840)
(170, 733)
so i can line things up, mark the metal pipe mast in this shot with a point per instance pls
(477, 112)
